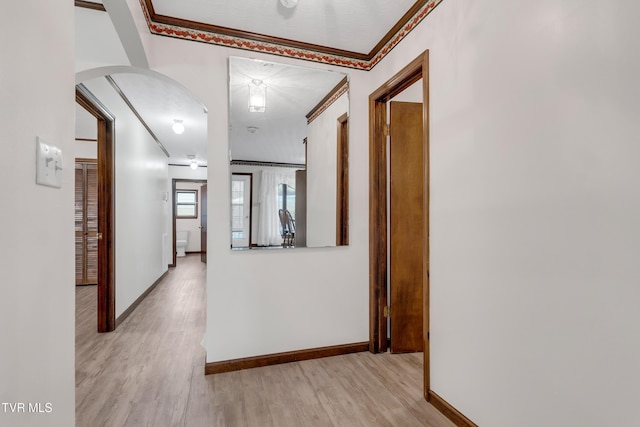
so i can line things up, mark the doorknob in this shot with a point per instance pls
(99, 236)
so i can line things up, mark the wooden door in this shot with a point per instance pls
(406, 232)
(203, 223)
(86, 222)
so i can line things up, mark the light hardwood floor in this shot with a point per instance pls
(150, 372)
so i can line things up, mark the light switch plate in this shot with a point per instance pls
(48, 164)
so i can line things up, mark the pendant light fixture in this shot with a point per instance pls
(289, 3)
(257, 96)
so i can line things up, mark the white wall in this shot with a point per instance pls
(252, 307)
(185, 172)
(85, 149)
(534, 207)
(37, 255)
(191, 225)
(534, 276)
(94, 52)
(86, 126)
(322, 157)
(141, 179)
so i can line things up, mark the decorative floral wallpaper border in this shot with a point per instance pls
(277, 49)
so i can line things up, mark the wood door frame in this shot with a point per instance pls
(342, 181)
(174, 214)
(204, 219)
(414, 71)
(106, 306)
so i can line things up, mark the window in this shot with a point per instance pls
(287, 198)
(237, 209)
(186, 203)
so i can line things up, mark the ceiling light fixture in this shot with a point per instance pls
(289, 3)
(252, 129)
(257, 96)
(194, 162)
(178, 127)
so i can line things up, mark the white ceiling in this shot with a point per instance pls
(352, 25)
(159, 102)
(292, 92)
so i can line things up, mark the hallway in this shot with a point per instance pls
(149, 372)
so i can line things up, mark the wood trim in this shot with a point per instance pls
(106, 305)
(417, 69)
(87, 139)
(287, 357)
(329, 99)
(426, 267)
(449, 411)
(406, 18)
(137, 302)
(174, 181)
(135, 112)
(90, 5)
(86, 160)
(234, 38)
(342, 181)
(267, 164)
(246, 35)
(377, 228)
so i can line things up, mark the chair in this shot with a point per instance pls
(287, 227)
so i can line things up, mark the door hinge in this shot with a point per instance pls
(387, 311)
(386, 129)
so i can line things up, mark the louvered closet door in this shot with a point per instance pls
(86, 223)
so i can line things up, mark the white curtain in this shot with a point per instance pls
(268, 220)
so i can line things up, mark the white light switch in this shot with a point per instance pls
(48, 164)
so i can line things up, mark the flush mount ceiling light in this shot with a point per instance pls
(194, 162)
(252, 129)
(178, 127)
(289, 3)
(257, 96)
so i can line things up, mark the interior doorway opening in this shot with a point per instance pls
(105, 235)
(378, 212)
(199, 230)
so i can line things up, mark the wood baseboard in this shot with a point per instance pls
(278, 358)
(133, 306)
(449, 411)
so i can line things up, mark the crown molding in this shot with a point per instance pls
(197, 31)
(341, 88)
(90, 5)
